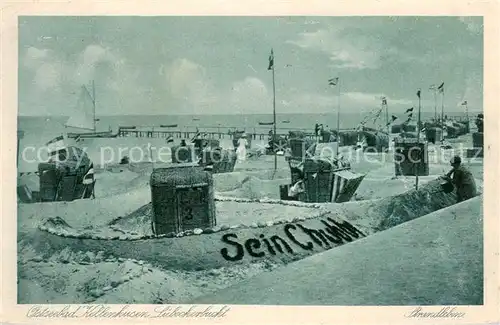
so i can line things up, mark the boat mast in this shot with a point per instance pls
(338, 118)
(93, 102)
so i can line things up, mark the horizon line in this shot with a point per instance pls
(234, 114)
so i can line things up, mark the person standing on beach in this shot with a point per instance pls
(480, 122)
(462, 179)
(241, 152)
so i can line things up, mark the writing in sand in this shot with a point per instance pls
(333, 234)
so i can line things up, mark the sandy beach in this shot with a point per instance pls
(103, 250)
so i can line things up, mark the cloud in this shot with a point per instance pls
(472, 92)
(34, 57)
(55, 77)
(474, 24)
(185, 78)
(187, 82)
(48, 76)
(343, 52)
(374, 99)
(51, 70)
(190, 85)
(250, 95)
(312, 100)
(90, 59)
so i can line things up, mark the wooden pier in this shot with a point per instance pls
(209, 132)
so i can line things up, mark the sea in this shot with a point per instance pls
(39, 130)
(45, 128)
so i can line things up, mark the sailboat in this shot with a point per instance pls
(69, 173)
(84, 117)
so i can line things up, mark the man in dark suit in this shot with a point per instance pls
(462, 179)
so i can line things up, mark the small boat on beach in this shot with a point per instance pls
(266, 123)
(168, 125)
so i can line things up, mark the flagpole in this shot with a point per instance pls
(387, 116)
(338, 119)
(418, 138)
(467, 113)
(274, 118)
(442, 116)
(93, 101)
(435, 104)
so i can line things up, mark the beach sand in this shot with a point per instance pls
(61, 269)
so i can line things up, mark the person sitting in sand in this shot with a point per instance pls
(462, 179)
(297, 188)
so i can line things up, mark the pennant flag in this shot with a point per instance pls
(271, 61)
(410, 115)
(377, 116)
(333, 81)
(418, 93)
(464, 103)
(56, 145)
(384, 101)
(409, 110)
(393, 118)
(89, 176)
(198, 133)
(441, 88)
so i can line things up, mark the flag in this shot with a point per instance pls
(384, 101)
(394, 118)
(441, 88)
(56, 145)
(418, 93)
(409, 110)
(345, 184)
(410, 115)
(198, 133)
(333, 81)
(464, 103)
(271, 61)
(377, 116)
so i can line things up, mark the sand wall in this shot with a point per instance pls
(289, 241)
(424, 252)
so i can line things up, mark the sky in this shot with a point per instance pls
(218, 65)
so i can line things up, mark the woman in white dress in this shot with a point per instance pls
(241, 151)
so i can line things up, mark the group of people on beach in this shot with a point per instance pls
(461, 178)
